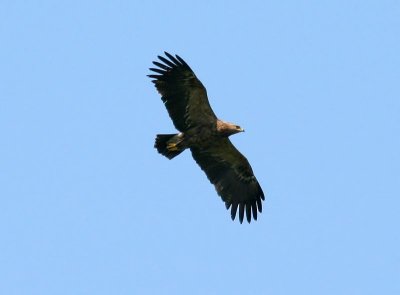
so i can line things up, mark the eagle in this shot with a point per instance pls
(207, 137)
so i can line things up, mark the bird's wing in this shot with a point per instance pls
(232, 176)
(183, 94)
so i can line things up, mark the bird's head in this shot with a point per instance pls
(239, 129)
(227, 129)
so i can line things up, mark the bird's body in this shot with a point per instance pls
(201, 137)
(206, 136)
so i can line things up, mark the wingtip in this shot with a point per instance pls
(246, 212)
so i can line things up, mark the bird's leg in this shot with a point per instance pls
(172, 144)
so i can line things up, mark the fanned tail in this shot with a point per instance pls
(167, 145)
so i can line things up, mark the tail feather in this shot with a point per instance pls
(167, 146)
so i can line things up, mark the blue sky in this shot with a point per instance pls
(87, 206)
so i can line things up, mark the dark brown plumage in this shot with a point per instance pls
(206, 136)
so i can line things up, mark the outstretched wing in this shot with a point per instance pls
(182, 93)
(233, 178)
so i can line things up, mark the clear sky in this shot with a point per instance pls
(87, 205)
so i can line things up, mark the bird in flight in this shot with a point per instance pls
(206, 136)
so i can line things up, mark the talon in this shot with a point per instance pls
(172, 147)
